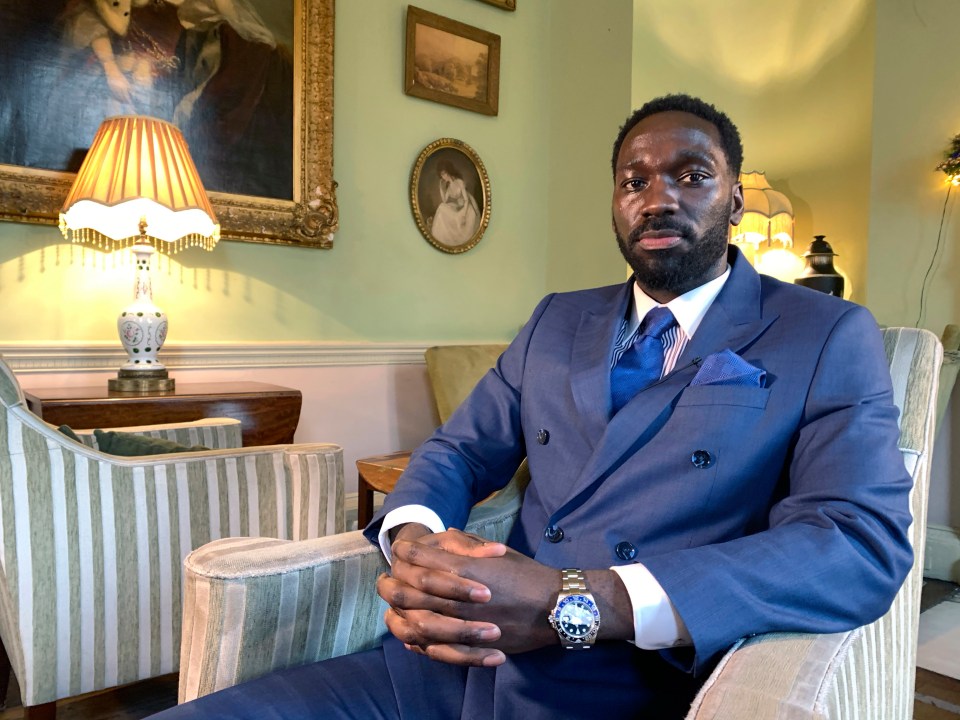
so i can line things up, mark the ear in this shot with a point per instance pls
(736, 204)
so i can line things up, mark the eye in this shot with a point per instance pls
(633, 184)
(694, 178)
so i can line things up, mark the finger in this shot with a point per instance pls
(461, 543)
(400, 594)
(403, 596)
(423, 628)
(439, 583)
(449, 551)
(464, 655)
(460, 654)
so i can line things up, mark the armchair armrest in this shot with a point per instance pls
(254, 605)
(787, 676)
(214, 433)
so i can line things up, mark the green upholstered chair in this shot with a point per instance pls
(454, 371)
(91, 545)
(256, 605)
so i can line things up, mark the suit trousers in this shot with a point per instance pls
(393, 683)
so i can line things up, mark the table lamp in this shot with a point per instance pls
(765, 233)
(819, 273)
(138, 188)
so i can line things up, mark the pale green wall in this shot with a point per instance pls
(796, 76)
(589, 99)
(916, 113)
(564, 88)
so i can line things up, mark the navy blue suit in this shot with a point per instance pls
(779, 506)
(803, 498)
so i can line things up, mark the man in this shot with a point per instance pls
(695, 441)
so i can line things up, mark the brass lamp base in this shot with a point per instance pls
(141, 381)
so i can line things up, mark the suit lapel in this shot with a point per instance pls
(590, 363)
(733, 321)
(736, 317)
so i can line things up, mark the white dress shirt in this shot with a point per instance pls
(655, 621)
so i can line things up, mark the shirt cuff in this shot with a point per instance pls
(403, 515)
(656, 624)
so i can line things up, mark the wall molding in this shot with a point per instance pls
(108, 356)
(941, 560)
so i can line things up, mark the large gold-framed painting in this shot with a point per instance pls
(249, 82)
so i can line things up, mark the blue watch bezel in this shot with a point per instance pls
(585, 600)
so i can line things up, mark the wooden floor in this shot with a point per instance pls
(130, 702)
(937, 698)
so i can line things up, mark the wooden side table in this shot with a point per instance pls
(378, 473)
(268, 414)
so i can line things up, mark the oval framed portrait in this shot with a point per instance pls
(450, 195)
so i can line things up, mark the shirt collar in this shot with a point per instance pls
(688, 309)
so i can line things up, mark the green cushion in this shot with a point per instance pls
(68, 431)
(128, 444)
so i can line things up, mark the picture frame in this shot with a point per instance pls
(450, 62)
(504, 4)
(450, 195)
(304, 215)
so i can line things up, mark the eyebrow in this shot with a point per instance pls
(681, 158)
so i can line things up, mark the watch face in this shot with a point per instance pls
(576, 616)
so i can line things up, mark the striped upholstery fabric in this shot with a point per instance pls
(91, 545)
(868, 672)
(255, 605)
(213, 433)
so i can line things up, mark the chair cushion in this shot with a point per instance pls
(129, 444)
(68, 431)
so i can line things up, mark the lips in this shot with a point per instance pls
(658, 239)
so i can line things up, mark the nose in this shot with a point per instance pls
(660, 198)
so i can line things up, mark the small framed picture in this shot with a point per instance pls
(505, 4)
(450, 195)
(451, 63)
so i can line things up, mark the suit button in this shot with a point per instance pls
(626, 551)
(553, 533)
(701, 459)
(543, 436)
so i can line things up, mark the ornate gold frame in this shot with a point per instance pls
(489, 105)
(309, 220)
(415, 192)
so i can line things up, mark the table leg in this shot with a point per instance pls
(364, 503)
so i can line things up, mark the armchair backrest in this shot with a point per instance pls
(454, 370)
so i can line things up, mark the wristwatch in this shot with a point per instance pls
(575, 616)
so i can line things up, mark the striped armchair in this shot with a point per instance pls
(92, 545)
(255, 605)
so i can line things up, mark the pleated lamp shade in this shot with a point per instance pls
(767, 214)
(139, 169)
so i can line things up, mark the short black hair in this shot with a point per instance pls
(729, 135)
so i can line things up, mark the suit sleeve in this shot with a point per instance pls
(476, 451)
(836, 549)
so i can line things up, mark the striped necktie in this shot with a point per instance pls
(642, 363)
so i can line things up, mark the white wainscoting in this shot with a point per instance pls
(369, 398)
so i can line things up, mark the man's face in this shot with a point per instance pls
(674, 199)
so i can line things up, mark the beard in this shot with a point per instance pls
(676, 272)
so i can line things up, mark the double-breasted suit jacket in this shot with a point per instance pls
(778, 506)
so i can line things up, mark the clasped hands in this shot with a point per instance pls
(461, 599)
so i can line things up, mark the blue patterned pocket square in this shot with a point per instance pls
(728, 368)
